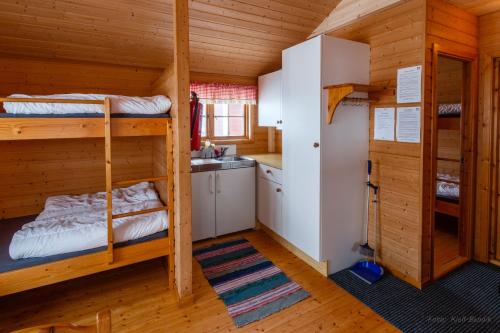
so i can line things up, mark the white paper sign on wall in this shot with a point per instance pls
(408, 124)
(384, 124)
(409, 89)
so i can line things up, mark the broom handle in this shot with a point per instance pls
(375, 201)
(368, 201)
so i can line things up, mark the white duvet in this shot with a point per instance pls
(119, 104)
(72, 223)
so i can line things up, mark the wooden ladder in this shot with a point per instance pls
(110, 184)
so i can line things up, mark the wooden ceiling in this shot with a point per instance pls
(243, 37)
(477, 7)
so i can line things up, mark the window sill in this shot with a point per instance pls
(229, 141)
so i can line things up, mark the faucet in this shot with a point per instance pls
(223, 151)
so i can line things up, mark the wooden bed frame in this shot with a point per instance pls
(107, 128)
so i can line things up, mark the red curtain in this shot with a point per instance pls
(220, 93)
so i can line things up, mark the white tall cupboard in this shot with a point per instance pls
(324, 166)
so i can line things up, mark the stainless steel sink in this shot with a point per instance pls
(221, 163)
(233, 159)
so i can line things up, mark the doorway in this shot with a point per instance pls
(453, 161)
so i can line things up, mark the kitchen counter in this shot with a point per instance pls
(272, 159)
(222, 163)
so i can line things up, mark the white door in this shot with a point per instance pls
(235, 202)
(270, 99)
(301, 139)
(203, 205)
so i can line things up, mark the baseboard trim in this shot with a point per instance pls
(495, 262)
(321, 266)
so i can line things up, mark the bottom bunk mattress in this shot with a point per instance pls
(73, 223)
(9, 227)
(447, 187)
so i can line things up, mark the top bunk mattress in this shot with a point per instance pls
(450, 110)
(146, 106)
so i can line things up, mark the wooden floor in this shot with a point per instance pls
(446, 248)
(140, 302)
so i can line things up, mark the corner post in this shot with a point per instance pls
(182, 153)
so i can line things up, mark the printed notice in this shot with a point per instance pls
(409, 88)
(384, 124)
(408, 125)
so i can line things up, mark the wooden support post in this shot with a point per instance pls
(109, 178)
(182, 153)
(170, 204)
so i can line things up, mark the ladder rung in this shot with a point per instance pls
(140, 212)
(136, 181)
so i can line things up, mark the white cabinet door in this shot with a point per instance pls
(265, 202)
(269, 198)
(278, 225)
(301, 139)
(235, 204)
(203, 205)
(270, 100)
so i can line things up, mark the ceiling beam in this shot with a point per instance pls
(351, 11)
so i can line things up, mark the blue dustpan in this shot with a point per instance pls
(367, 271)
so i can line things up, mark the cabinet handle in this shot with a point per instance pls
(316, 145)
(269, 172)
(278, 190)
(217, 183)
(210, 186)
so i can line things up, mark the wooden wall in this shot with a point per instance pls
(258, 144)
(41, 76)
(32, 170)
(487, 231)
(278, 139)
(396, 38)
(456, 31)
(450, 78)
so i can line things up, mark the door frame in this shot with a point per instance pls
(469, 154)
(493, 239)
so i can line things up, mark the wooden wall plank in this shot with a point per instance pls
(487, 202)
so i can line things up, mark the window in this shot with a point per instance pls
(225, 122)
(227, 110)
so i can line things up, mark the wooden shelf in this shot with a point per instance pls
(338, 93)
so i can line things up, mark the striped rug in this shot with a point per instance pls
(250, 285)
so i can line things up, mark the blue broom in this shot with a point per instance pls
(369, 271)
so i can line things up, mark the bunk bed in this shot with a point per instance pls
(27, 272)
(447, 185)
(449, 116)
